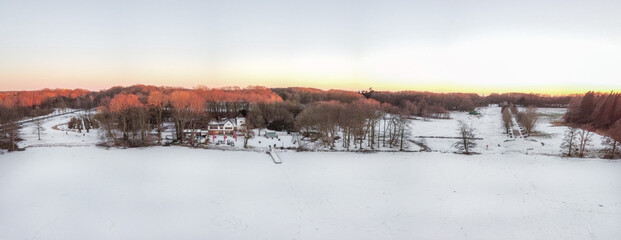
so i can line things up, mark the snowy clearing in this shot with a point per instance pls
(182, 193)
(546, 140)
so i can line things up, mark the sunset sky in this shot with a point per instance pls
(445, 46)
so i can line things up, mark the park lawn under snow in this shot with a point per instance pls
(182, 193)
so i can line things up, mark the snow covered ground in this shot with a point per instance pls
(546, 140)
(182, 193)
(63, 187)
(56, 133)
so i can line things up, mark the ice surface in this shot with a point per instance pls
(182, 193)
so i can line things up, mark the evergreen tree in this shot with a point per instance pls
(587, 106)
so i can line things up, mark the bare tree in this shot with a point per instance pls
(386, 110)
(584, 141)
(403, 129)
(529, 119)
(248, 134)
(611, 142)
(158, 100)
(39, 127)
(393, 129)
(108, 122)
(466, 137)
(255, 118)
(124, 106)
(507, 119)
(611, 147)
(569, 141)
(9, 129)
(87, 123)
(180, 101)
(142, 123)
(196, 108)
(322, 118)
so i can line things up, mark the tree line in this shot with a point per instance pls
(127, 118)
(127, 115)
(427, 104)
(17, 105)
(593, 112)
(526, 118)
(362, 123)
(530, 99)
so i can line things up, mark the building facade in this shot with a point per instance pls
(226, 126)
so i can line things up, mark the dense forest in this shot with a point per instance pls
(594, 112)
(530, 99)
(126, 115)
(600, 110)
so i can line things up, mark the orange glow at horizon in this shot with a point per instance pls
(324, 84)
(483, 65)
(478, 47)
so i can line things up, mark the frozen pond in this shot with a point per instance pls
(182, 193)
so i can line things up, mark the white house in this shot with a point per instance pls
(240, 122)
(226, 125)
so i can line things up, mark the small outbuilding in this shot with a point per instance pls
(270, 134)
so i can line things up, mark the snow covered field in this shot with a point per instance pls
(182, 193)
(63, 187)
(56, 133)
(546, 140)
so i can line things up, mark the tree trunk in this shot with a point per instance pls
(466, 147)
(125, 136)
(571, 143)
(384, 134)
(12, 133)
(401, 144)
(159, 125)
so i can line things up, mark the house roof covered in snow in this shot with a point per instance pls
(222, 122)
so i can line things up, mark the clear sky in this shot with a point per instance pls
(462, 45)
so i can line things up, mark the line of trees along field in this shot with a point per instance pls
(17, 105)
(126, 115)
(530, 99)
(380, 124)
(527, 118)
(129, 116)
(593, 112)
